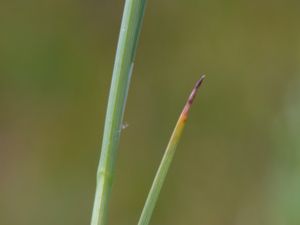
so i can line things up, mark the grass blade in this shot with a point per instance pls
(167, 159)
(124, 61)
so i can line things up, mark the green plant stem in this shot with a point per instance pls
(124, 61)
(167, 159)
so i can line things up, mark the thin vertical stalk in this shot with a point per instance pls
(167, 159)
(124, 61)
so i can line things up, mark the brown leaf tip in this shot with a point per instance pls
(194, 91)
(192, 96)
(199, 82)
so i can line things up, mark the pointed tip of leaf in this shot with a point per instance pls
(199, 82)
(192, 96)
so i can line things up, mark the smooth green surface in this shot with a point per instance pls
(56, 62)
(124, 62)
(161, 174)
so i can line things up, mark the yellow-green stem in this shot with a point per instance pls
(167, 159)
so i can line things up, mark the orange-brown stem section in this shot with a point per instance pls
(186, 109)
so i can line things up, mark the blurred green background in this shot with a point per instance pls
(239, 159)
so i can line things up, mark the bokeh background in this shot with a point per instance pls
(239, 159)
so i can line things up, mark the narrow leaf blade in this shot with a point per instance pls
(167, 158)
